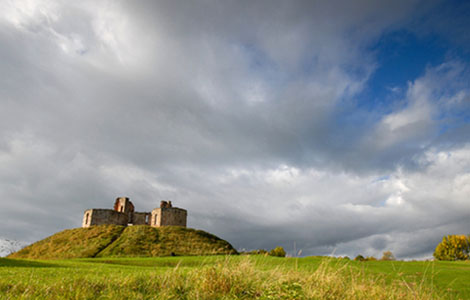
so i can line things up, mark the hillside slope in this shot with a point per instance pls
(120, 241)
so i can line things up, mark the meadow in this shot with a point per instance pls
(232, 277)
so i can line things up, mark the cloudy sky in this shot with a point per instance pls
(335, 127)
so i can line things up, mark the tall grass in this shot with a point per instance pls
(223, 279)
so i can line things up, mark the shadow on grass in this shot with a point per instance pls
(143, 262)
(20, 263)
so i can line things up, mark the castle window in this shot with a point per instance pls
(122, 209)
(146, 219)
(86, 218)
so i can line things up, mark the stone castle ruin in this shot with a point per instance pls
(124, 214)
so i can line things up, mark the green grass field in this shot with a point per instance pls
(231, 277)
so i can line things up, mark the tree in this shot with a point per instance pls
(453, 247)
(359, 258)
(388, 255)
(278, 251)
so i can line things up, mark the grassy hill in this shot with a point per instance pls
(120, 241)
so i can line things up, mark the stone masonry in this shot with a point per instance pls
(124, 214)
(167, 215)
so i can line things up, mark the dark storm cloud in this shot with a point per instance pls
(242, 112)
(197, 59)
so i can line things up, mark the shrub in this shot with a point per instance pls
(254, 252)
(278, 251)
(359, 258)
(453, 247)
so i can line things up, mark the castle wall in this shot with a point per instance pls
(169, 217)
(123, 214)
(103, 216)
(154, 219)
(141, 218)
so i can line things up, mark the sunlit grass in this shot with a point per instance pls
(120, 241)
(230, 277)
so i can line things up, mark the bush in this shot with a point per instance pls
(359, 258)
(388, 255)
(278, 251)
(453, 247)
(254, 252)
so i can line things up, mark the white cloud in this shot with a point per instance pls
(245, 121)
(27, 14)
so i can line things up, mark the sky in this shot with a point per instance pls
(325, 127)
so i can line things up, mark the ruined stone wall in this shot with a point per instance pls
(169, 217)
(123, 204)
(141, 218)
(124, 214)
(103, 216)
(154, 219)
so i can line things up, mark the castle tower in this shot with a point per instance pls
(167, 215)
(124, 205)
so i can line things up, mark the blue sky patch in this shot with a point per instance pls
(401, 57)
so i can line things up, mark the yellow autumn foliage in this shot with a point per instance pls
(453, 247)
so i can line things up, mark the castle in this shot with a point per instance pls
(124, 214)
